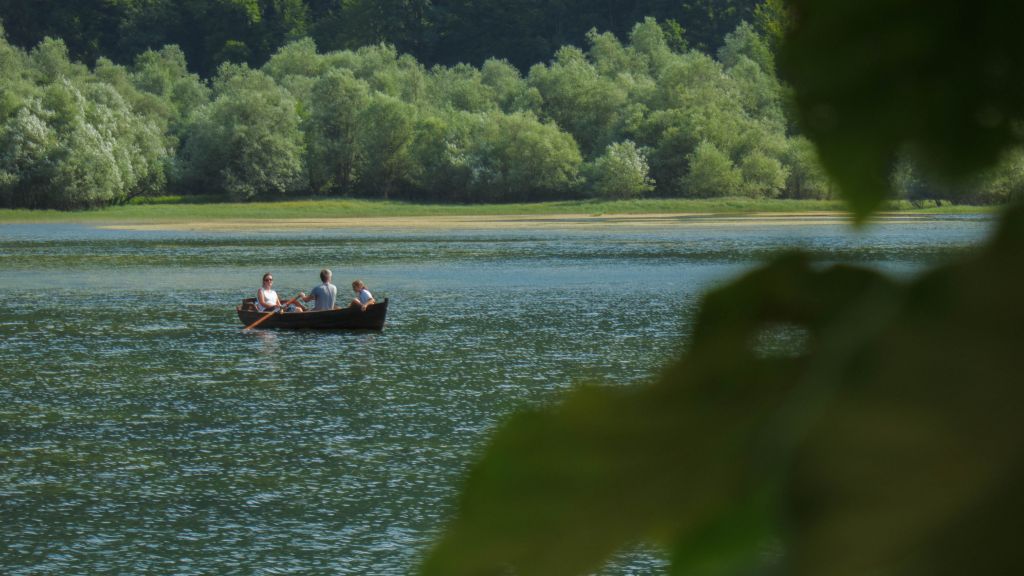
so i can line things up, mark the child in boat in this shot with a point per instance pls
(363, 297)
(266, 297)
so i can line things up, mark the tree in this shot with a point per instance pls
(246, 143)
(711, 173)
(338, 104)
(516, 157)
(78, 147)
(27, 142)
(384, 137)
(460, 87)
(440, 156)
(621, 172)
(745, 42)
(763, 176)
(586, 104)
(694, 101)
(508, 89)
(807, 177)
(772, 20)
(164, 73)
(296, 67)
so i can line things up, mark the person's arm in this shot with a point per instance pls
(368, 302)
(305, 298)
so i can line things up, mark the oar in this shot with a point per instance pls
(269, 314)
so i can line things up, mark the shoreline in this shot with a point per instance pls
(349, 213)
(518, 222)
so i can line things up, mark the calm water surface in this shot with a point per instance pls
(141, 432)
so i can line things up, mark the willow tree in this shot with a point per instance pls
(70, 140)
(246, 142)
(338, 102)
(621, 172)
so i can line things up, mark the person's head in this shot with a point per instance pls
(325, 275)
(268, 279)
(358, 285)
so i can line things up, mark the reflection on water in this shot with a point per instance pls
(142, 432)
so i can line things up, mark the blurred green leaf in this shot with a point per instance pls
(892, 432)
(939, 79)
(888, 441)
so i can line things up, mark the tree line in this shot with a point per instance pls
(612, 120)
(433, 31)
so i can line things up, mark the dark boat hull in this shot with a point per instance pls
(338, 319)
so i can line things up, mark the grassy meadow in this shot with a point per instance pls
(177, 209)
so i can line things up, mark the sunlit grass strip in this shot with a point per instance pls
(170, 209)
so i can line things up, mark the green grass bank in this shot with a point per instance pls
(173, 209)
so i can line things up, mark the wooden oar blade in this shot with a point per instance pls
(269, 314)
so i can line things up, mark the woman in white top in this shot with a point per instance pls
(266, 297)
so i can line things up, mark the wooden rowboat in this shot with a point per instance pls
(350, 318)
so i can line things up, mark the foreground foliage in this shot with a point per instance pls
(831, 453)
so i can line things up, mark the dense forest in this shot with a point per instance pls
(210, 32)
(271, 99)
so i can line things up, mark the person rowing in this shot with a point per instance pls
(267, 299)
(324, 294)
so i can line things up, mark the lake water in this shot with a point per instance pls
(141, 432)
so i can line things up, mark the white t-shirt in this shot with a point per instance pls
(270, 296)
(365, 296)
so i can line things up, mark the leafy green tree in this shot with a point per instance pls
(49, 62)
(508, 88)
(27, 145)
(612, 59)
(338, 105)
(648, 39)
(711, 173)
(745, 42)
(296, 67)
(79, 147)
(384, 139)
(164, 74)
(621, 172)
(440, 151)
(298, 58)
(149, 105)
(16, 84)
(695, 101)
(675, 35)
(772, 19)
(246, 142)
(1002, 183)
(759, 94)
(460, 87)
(516, 157)
(807, 177)
(400, 76)
(763, 176)
(580, 100)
